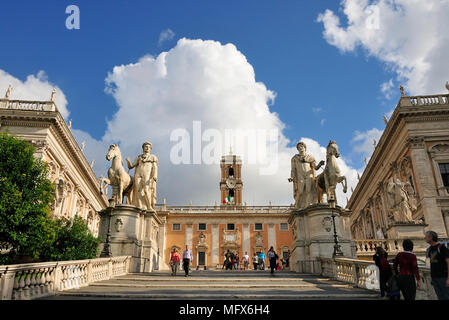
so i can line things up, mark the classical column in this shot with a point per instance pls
(246, 237)
(189, 235)
(72, 209)
(215, 245)
(426, 186)
(384, 205)
(373, 218)
(271, 236)
(162, 238)
(363, 218)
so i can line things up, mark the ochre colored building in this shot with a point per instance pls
(212, 230)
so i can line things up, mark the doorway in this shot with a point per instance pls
(201, 258)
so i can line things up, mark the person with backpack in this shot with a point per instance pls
(438, 255)
(408, 270)
(380, 259)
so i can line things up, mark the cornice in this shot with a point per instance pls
(64, 136)
(404, 113)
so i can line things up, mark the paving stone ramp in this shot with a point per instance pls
(221, 284)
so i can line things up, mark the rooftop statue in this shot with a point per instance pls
(8, 92)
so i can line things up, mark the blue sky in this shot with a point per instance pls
(283, 42)
(315, 77)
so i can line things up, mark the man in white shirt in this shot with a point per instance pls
(187, 258)
(245, 260)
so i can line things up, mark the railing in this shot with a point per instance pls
(428, 100)
(37, 280)
(224, 208)
(365, 274)
(27, 105)
(367, 247)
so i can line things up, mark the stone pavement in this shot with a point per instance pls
(219, 285)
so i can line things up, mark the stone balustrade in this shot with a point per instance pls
(37, 280)
(224, 209)
(428, 100)
(367, 247)
(364, 274)
(27, 105)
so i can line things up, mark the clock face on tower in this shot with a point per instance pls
(230, 183)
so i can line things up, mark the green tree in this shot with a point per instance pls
(25, 195)
(27, 231)
(73, 241)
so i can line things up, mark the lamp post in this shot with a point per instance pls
(106, 253)
(337, 250)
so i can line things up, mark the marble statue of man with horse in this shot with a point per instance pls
(119, 180)
(140, 190)
(309, 189)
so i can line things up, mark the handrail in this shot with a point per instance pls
(365, 274)
(36, 280)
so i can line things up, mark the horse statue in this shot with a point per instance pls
(330, 177)
(120, 181)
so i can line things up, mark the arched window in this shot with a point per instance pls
(231, 172)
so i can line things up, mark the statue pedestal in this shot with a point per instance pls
(406, 231)
(132, 232)
(313, 236)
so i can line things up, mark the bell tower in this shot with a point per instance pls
(231, 179)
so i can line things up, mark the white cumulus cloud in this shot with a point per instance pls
(205, 81)
(409, 36)
(35, 87)
(364, 141)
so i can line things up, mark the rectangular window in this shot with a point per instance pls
(202, 226)
(176, 227)
(444, 170)
(283, 226)
(231, 226)
(258, 226)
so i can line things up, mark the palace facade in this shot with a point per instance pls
(212, 230)
(77, 187)
(405, 185)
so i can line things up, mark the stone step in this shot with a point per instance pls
(214, 285)
(217, 296)
(181, 278)
(218, 285)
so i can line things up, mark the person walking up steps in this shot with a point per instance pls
(439, 265)
(261, 256)
(245, 261)
(380, 258)
(255, 261)
(272, 257)
(174, 261)
(187, 259)
(408, 271)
